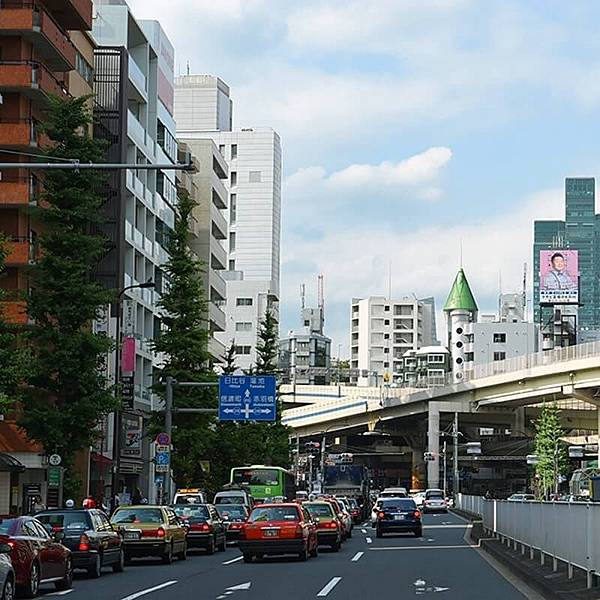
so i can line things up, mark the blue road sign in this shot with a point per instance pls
(247, 398)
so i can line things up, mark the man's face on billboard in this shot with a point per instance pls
(558, 263)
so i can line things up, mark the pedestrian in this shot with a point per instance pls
(137, 496)
(488, 495)
(38, 505)
(89, 502)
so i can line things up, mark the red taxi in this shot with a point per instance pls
(285, 528)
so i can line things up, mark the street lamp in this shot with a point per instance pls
(116, 450)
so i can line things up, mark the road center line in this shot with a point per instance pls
(334, 581)
(369, 540)
(150, 590)
(230, 562)
(357, 556)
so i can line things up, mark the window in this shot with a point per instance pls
(499, 338)
(386, 365)
(232, 265)
(233, 150)
(386, 350)
(232, 242)
(254, 177)
(243, 302)
(386, 322)
(306, 323)
(242, 349)
(386, 308)
(436, 358)
(499, 355)
(386, 336)
(233, 177)
(84, 68)
(244, 326)
(233, 209)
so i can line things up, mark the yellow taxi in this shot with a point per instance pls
(151, 531)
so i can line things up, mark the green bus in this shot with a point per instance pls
(265, 482)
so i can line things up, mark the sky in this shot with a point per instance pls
(410, 129)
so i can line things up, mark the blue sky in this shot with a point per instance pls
(408, 126)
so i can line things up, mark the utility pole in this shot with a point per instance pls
(445, 469)
(455, 434)
(323, 461)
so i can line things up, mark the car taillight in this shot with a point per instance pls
(299, 531)
(84, 543)
(160, 532)
(235, 526)
(201, 527)
(417, 514)
(11, 544)
(381, 515)
(333, 525)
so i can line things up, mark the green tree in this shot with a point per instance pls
(184, 342)
(67, 393)
(267, 348)
(551, 451)
(14, 357)
(228, 366)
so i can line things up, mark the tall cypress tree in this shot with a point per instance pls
(67, 393)
(550, 449)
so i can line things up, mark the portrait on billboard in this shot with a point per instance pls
(559, 277)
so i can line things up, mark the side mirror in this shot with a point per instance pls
(59, 536)
(5, 549)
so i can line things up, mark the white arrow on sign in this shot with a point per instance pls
(247, 393)
(241, 586)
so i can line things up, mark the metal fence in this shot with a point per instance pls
(565, 531)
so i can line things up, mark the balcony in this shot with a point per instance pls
(21, 134)
(30, 78)
(37, 26)
(72, 14)
(19, 251)
(14, 312)
(15, 193)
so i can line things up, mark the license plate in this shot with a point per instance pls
(271, 533)
(132, 535)
(398, 517)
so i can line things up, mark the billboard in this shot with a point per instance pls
(559, 277)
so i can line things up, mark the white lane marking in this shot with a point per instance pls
(334, 581)
(63, 593)
(150, 590)
(228, 593)
(442, 526)
(364, 530)
(357, 556)
(369, 540)
(230, 562)
(461, 547)
(241, 586)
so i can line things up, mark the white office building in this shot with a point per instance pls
(253, 156)
(383, 330)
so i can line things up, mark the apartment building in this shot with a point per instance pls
(209, 228)
(253, 154)
(134, 94)
(383, 330)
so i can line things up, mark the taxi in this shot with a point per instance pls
(283, 528)
(151, 531)
(329, 527)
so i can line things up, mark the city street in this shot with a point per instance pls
(438, 564)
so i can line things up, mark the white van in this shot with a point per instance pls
(189, 496)
(234, 497)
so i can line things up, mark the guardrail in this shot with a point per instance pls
(561, 531)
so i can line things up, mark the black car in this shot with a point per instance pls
(233, 517)
(89, 535)
(204, 525)
(398, 515)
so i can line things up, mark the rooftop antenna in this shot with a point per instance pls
(321, 293)
(303, 295)
(524, 299)
(188, 67)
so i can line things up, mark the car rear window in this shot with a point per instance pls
(274, 513)
(399, 504)
(320, 510)
(67, 521)
(194, 513)
(138, 515)
(230, 500)
(434, 495)
(232, 511)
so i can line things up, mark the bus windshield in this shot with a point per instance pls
(256, 476)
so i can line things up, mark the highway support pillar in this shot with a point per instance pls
(433, 445)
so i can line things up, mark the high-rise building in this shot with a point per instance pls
(209, 229)
(45, 50)
(253, 155)
(580, 230)
(383, 330)
(134, 95)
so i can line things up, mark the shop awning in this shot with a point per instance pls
(10, 464)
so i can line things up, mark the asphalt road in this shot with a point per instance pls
(441, 565)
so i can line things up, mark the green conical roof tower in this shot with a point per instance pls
(460, 296)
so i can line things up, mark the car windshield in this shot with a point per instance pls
(138, 515)
(274, 513)
(67, 521)
(399, 504)
(230, 500)
(320, 510)
(231, 512)
(194, 513)
(6, 526)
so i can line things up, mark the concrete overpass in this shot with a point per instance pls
(504, 392)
